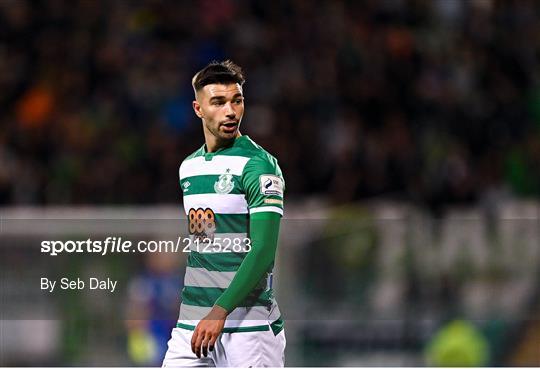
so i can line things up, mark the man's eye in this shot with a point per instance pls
(217, 103)
(238, 101)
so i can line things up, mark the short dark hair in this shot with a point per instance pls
(224, 72)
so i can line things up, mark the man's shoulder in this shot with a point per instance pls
(196, 153)
(250, 149)
(260, 160)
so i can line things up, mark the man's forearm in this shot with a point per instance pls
(264, 233)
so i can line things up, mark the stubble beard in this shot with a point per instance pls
(220, 136)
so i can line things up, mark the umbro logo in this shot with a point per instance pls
(186, 186)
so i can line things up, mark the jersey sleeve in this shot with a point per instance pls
(264, 239)
(264, 185)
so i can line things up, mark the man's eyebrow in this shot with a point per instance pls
(237, 95)
(217, 98)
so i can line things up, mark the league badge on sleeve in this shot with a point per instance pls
(271, 185)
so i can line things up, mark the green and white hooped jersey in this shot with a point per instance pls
(221, 190)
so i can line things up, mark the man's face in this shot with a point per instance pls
(221, 108)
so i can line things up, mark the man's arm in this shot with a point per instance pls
(264, 231)
(263, 185)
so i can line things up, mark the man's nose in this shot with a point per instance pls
(230, 112)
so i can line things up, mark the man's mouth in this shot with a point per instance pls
(229, 127)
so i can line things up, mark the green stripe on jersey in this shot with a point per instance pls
(207, 297)
(205, 184)
(255, 328)
(231, 223)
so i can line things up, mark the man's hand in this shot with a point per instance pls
(207, 331)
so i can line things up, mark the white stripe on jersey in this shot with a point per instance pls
(219, 164)
(261, 209)
(200, 277)
(220, 204)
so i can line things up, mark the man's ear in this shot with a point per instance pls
(197, 109)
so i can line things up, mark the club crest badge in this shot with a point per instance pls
(224, 184)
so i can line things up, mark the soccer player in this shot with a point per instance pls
(233, 197)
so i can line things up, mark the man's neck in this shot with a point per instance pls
(213, 144)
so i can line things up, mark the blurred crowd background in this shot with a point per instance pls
(397, 124)
(432, 101)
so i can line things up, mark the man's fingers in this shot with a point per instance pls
(196, 343)
(205, 345)
(212, 342)
(193, 340)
